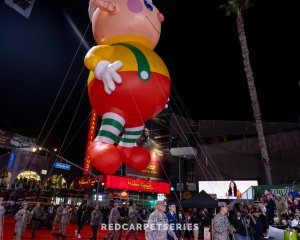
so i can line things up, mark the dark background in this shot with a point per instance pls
(199, 44)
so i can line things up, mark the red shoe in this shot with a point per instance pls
(136, 158)
(105, 157)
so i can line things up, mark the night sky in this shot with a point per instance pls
(39, 54)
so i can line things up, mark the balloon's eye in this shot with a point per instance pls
(149, 5)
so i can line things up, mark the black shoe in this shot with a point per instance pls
(57, 235)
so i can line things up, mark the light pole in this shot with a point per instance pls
(77, 166)
(185, 152)
(179, 175)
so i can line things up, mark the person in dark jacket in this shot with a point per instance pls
(38, 214)
(261, 225)
(239, 224)
(80, 213)
(271, 207)
(196, 221)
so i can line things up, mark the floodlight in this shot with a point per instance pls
(23, 7)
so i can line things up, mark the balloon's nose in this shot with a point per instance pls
(160, 17)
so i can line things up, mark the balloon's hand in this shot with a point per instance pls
(166, 105)
(107, 72)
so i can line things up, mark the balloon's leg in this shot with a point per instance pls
(104, 155)
(134, 157)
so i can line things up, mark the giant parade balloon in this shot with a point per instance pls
(128, 82)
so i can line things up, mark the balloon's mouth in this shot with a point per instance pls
(158, 32)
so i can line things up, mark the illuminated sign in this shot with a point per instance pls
(132, 184)
(11, 160)
(62, 166)
(86, 182)
(91, 136)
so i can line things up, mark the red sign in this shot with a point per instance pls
(91, 136)
(133, 184)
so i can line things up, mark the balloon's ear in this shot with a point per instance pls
(105, 5)
(91, 10)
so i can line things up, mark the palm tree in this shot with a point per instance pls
(238, 7)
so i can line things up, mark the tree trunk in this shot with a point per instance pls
(253, 96)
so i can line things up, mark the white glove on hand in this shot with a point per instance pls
(166, 105)
(107, 72)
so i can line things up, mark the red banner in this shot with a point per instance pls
(133, 184)
(91, 136)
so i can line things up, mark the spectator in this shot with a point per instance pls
(261, 226)
(122, 218)
(239, 224)
(270, 207)
(80, 214)
(280, 205)
(196, 221)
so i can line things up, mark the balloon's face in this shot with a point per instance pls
(115, 18)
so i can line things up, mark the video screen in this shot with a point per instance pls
(230, 189)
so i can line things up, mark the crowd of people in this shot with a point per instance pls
(249, 222)
(167, 222)
(56, 219)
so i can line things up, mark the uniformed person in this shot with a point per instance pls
(220, 223)
(96, 219)
(157, 227)
(113, 221)
(65, 219)
(22, 218)
(173, 222)
(57, 219)
(2, 212)
(133, 217)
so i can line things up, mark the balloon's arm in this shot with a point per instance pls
(97, 54)
(96, 60)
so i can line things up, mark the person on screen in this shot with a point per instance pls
(233, 190)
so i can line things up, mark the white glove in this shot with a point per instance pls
(107, 72)
(166, 105)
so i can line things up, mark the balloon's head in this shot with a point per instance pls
(133, 20)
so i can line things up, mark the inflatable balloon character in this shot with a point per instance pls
(128, 83)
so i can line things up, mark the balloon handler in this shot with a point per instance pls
(128, 82)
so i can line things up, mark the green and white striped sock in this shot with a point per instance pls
(130, 136)
(111, 126)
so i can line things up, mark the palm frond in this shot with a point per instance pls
(234, 6)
